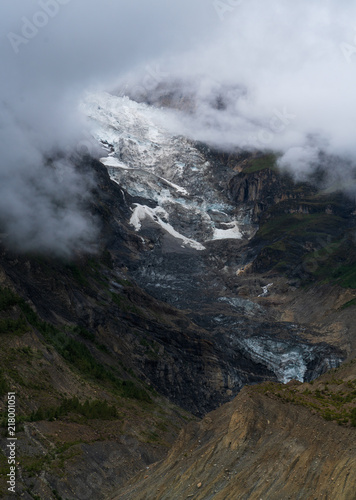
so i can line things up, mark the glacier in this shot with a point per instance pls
(195, 233)
(149, 161)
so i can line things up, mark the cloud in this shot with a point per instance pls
(51, 51)
(274, 75)
(257, 74)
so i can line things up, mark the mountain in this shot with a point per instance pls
(213, 272)
(269, 442)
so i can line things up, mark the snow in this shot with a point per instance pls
(179, 189)
(146, 159)
(125, 124)
(265, 290)
(110, 161)
(233, 232)
(141, 212)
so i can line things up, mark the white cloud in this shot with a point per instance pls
(271, 58)
(268, 74)
(51, 51)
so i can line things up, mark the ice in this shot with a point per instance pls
(179, 189)
(146, 159)
(265, 290)
(287, 361)
(113, 162)
(141, 212)
(232, 232)
(129, 126)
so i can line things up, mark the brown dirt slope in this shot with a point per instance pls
(259, 446)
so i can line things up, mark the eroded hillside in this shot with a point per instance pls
(272, 441)
(111, 354)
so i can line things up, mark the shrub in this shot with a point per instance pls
(73, 351)
(78, 355)
(7, 299)
(90, 409)
(13, 326)
(353, 417)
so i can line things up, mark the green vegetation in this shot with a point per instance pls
(83, 332)
(77, 274)
(339, 267)
(150, 437)
(350, 303)
(87, 335)
(7, 299)
(345, 275)
(152, 349)
(90, 410)
(288, 225)
(264, 162)
(79, 356)
(34, 465)
(8, 325)
(13, 326)
(73, 351)
(304, 233)
(124, 304)
(56, 495)
(334, 399)
(313, 243)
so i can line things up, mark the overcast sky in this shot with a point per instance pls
(50, 52)
(285, 69)
(286, 72)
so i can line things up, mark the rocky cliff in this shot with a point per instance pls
(212, 271)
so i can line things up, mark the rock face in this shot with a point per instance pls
(197, 222)
(255, 447)
(194, 293)
(266, 187)
(162, 345)
(199, 357)
(197, 342)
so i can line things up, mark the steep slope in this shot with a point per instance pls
(200, 285)
(262, 446)
(83, 428)
(160, 343)
(198, 227)
(80, 330)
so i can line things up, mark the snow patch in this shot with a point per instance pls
(113, 162)
(231, 233)
(141, 212)
(265, 290)
(179, 189)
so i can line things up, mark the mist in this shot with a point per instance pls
(51, 52)
(274, 76)
(262, 75)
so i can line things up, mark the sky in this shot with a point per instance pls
(51, 51)
(283, 74)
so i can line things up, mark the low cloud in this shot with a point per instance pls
(51, 51)
(274, 75)
(256, 74)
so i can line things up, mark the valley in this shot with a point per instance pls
(214, 273)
